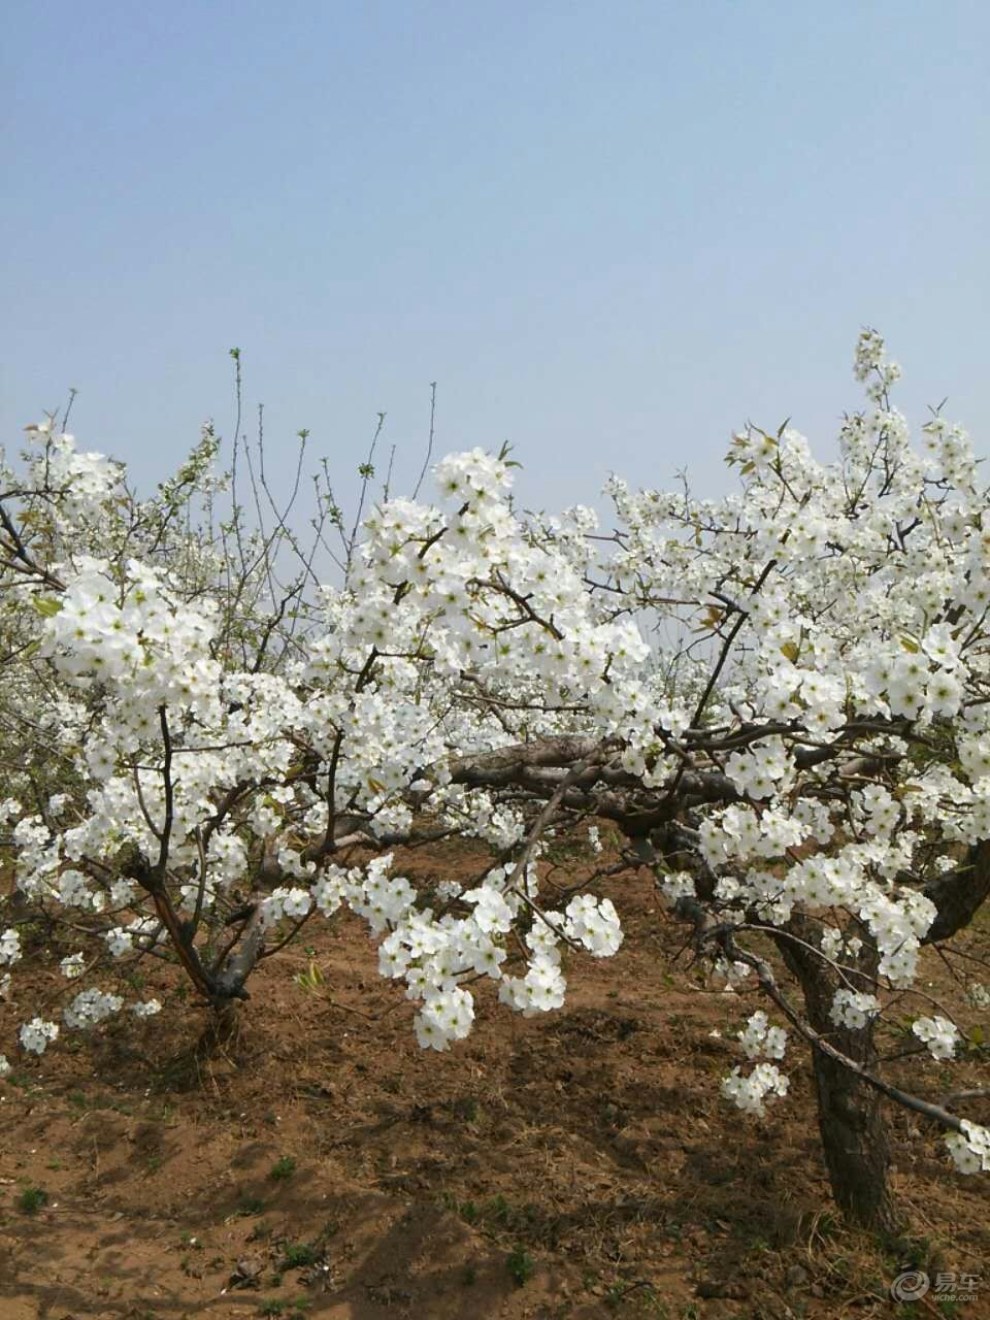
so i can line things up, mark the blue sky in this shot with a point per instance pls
(611, 233)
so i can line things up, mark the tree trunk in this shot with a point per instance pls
(855, 1135)
(851, 1120)
(222, 1030)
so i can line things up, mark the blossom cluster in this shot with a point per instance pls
(939, 1035)
(854, 1009)
(750, 1092)
(970, 1148)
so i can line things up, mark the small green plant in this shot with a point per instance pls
(31, 1200)
(312, 979)
(521, 1266)
(468, 1210)
(297, 1255)
(500, 1213)
(638, 1298)
(283, 1168)
(250, 1205)
(291, 1310)
(466, 1109)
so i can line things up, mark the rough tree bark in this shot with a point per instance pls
(851, 1119)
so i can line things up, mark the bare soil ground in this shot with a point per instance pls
(320, 1164)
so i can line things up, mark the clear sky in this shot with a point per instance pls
(611, 232)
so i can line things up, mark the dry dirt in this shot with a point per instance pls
(321, 1165)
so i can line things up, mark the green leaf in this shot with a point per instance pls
(47, 606)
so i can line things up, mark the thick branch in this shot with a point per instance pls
(959, 894)
(769, 985)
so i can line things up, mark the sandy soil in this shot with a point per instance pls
(320, 1164)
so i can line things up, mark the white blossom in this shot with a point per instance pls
(939, 1034)
(36, 1035)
